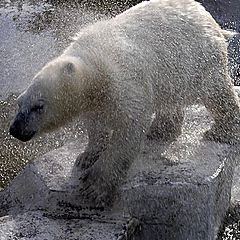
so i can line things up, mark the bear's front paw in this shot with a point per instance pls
(97, 186)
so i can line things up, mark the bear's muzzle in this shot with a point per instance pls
(18, 129)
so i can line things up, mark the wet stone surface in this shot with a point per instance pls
(37, 226)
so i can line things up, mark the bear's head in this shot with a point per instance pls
(54, 97)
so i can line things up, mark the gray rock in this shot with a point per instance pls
(178, 191)
(37, 226)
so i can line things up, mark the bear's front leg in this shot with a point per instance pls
(98, 138)
(100, 182)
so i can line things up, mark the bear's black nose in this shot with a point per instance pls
(16, 132)
(13, 131)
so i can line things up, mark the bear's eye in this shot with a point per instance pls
(37, 108)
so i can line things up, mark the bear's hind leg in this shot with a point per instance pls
(223, 104)
(167, 125)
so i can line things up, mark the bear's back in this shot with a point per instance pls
(159, 41)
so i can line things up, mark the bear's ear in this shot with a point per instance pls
(68, 68)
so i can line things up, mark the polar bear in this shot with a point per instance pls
(155, 58)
